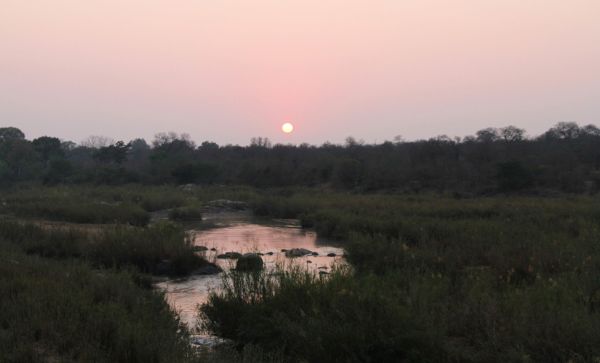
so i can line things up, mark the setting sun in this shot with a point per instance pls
(287, 128)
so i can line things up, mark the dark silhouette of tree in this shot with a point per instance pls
(512, 133)
(11, 134)
(565, 158)
(48, 148)
(564, 130)
(116, 153)
(489, 134)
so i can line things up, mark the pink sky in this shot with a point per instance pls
(228, 70)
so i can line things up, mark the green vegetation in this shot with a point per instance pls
(162, 249)
(480, 249)
(563, 159)
(186, 214)
(433, 279)
(66, 311)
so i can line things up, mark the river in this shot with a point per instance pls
(241, 232)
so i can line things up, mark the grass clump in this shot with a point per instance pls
(83, 212)
(185, 214)
(161, 249)
(314, 319)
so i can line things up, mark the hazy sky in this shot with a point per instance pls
(227, 70)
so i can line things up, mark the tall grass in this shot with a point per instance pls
(470, 280)
(315, 319)
(67, 312)
(162, 248)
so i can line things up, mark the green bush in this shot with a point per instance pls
(185, 214)
(65, 311)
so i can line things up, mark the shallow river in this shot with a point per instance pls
(240, 232)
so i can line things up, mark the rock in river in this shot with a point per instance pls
(230, 255)
(249, 262)
(297, 252)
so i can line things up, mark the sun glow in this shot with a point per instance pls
(287, 128)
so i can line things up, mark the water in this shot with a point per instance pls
(240, 232)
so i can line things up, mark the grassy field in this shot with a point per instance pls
(431, 278)
(434, 279)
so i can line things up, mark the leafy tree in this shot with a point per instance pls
(10, 134)
(116, 153)
(48, 147)
(564, 130)
(489, 134)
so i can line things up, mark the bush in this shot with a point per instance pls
(334, 319)
(185, 214)
(162, 248)
(65, 311)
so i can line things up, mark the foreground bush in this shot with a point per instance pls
(337, 319)
(65, 311)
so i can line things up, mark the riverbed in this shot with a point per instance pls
(243, 233)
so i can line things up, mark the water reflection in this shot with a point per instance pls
(241, 233)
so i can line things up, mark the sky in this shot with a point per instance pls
(229, 70)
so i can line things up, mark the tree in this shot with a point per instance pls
(116, 153)
(489, 134)
(10, 134)
(261, 142)
(512, 133)
(97, 142)
(564, 131)
(590, 130)
(48, 147)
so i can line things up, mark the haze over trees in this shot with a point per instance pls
(565, 158)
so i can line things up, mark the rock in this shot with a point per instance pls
(209, 269)
(213, 249)
(309, 261)
(199, 248)
(284, 250)
(269, 253)
(297, 252)
(331, 254)
(249, 262)
(315, 253)
(230, 255)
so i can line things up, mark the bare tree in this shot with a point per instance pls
(97, 142)
(512, 133)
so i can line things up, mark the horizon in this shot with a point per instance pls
(108, 140)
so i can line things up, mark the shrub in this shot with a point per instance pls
(185, 214)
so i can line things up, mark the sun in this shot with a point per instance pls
(287, 128)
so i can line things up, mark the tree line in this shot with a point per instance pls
(566, 158)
